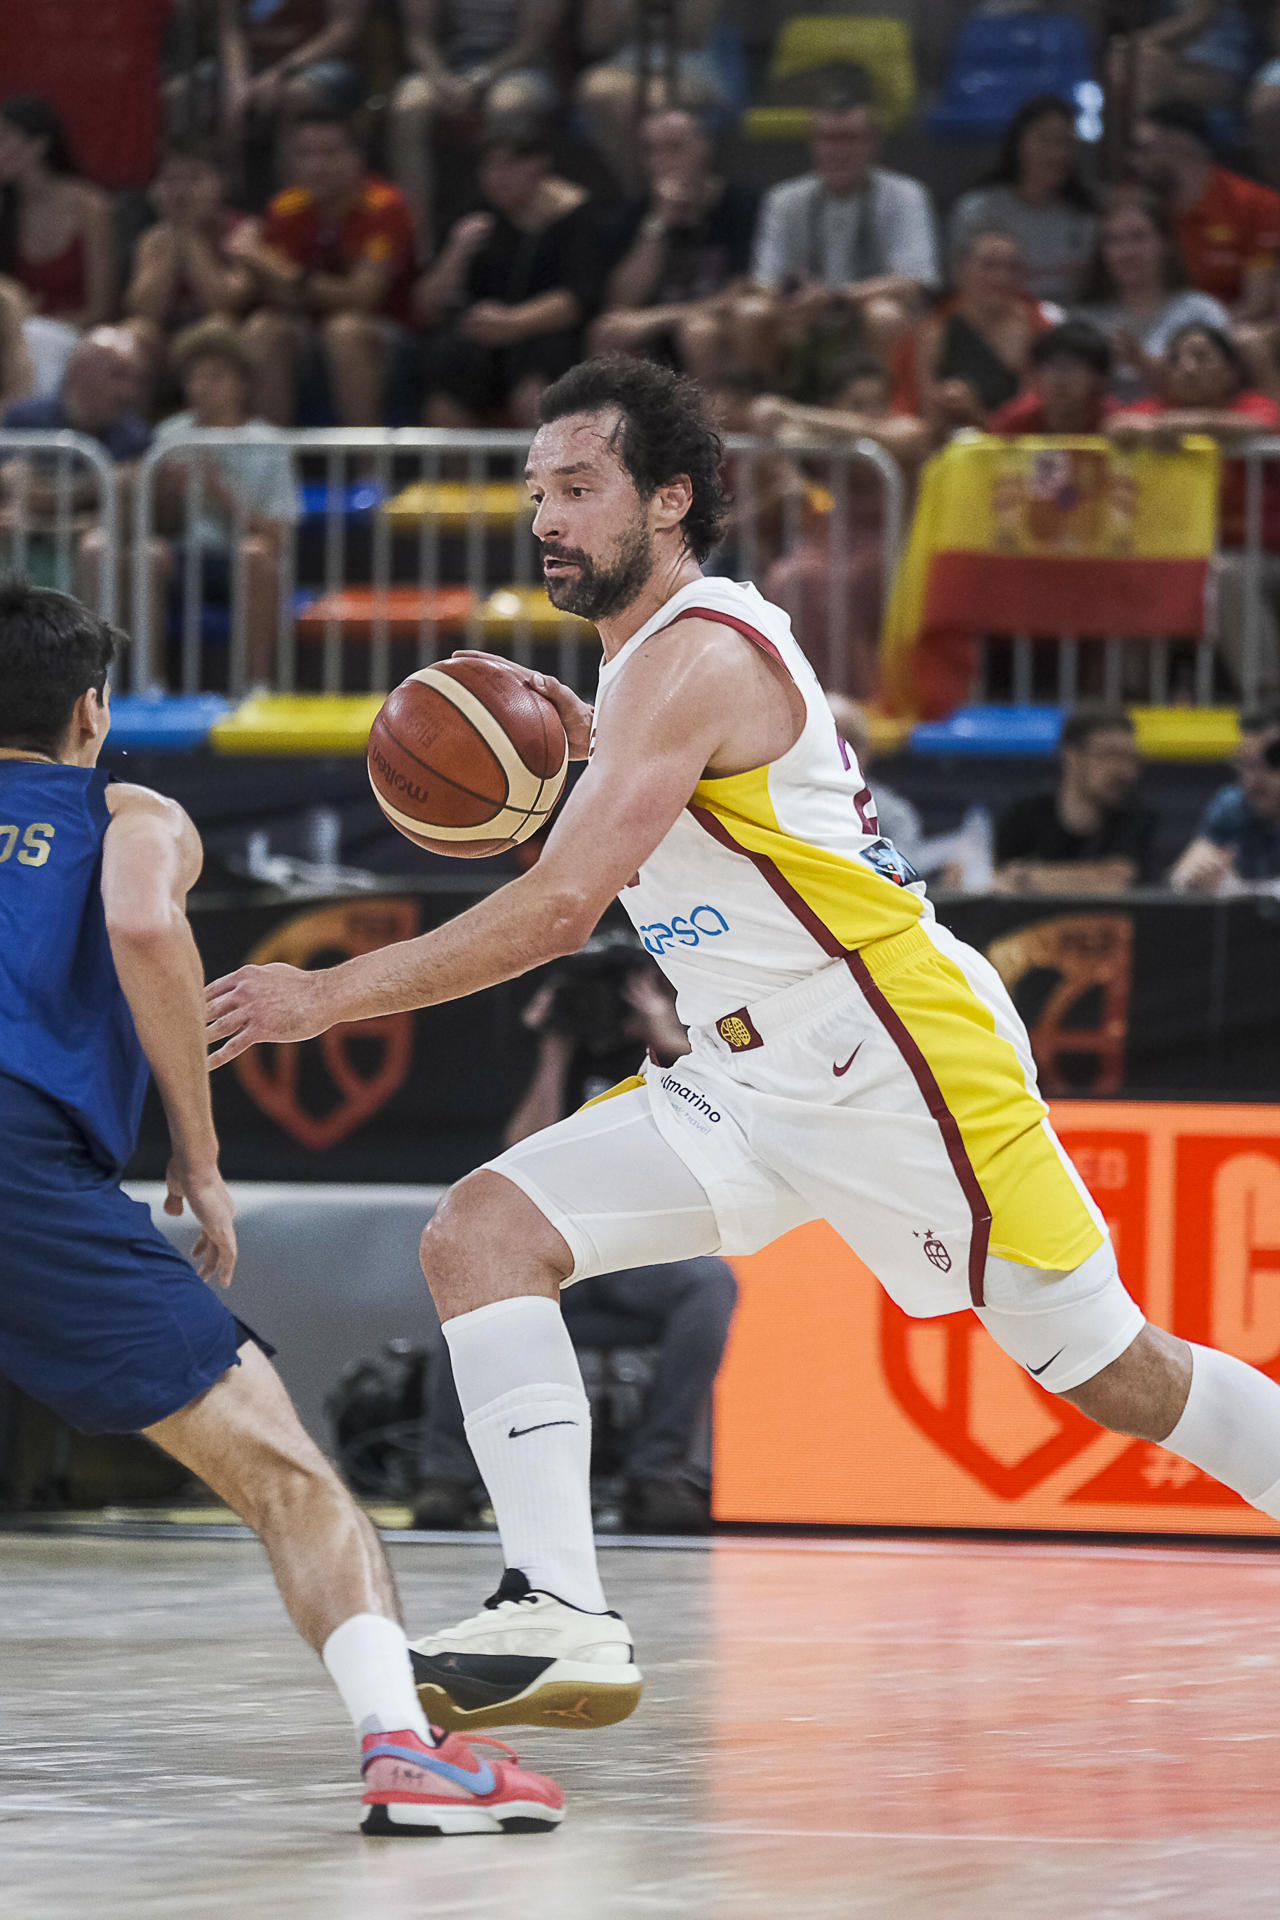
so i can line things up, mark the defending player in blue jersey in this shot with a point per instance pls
(100, 1318)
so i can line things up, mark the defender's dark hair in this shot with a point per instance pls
(664, 432)
(1073, 340)
(52, 649)
(1083, 722)
(1260, 719)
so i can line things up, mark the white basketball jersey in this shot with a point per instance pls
(770, 874)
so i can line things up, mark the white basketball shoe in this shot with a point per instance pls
(528, 1659)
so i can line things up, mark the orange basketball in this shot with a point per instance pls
(465, 759)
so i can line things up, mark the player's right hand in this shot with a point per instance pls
(575, 714)
(205, 1192)
(275, 1002)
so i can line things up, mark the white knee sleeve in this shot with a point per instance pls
(1230, 1427)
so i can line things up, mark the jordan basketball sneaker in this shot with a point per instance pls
(410, 1788)
(528, 1659)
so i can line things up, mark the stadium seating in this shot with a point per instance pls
(1002, 60)
(454, 505)
(880, 44)
(511, 611)
(1163, 733)
(358, 611)
(297, 723)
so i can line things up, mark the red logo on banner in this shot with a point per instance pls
(360, 1064)
(949, 1418)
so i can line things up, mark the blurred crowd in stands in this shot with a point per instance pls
(265, 213)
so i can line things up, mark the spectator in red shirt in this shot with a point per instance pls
(334, 253)
(56, 233)
(1207, 390)
(1227, 227)
(1067, 392)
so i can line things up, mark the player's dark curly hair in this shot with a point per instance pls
(665, 432)
(52, 649)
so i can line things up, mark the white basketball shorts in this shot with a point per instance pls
(893, 1096)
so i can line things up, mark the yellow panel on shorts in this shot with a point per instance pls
(629, 1085)
(1037, 1214)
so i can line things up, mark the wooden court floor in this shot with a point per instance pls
(883, 1728)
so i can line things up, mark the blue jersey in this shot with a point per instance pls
(65, 1026)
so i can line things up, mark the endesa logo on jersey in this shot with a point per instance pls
(685, 930)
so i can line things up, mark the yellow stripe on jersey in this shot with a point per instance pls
(853, 902)
(629, 1085)
(1038, 1216)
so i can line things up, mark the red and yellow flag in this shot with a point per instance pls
(1070, 537)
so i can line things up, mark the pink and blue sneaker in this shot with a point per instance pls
(411, 1788)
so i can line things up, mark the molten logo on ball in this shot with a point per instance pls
(466, 758)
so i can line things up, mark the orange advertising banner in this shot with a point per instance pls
(832, 1407)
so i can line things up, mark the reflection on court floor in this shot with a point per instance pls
(926, 1730)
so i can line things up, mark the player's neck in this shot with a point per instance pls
(25, 753)
(663, 583)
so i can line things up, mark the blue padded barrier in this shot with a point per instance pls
(358, 496)
(165, 722)
(1012, 730)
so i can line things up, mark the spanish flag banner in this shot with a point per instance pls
(1070, 537)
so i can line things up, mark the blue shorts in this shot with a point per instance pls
(100, 1318)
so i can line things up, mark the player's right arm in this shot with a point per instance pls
(151, 856)
(667, 721)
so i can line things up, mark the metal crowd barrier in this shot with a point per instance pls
(1259, 662)
(348, 539)
(477, 546)
(1023, 669)
(43, 518)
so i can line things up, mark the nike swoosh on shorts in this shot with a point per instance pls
(840, 1072)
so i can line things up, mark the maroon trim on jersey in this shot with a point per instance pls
(743, 627)
(778, 881)
(896, 1029)
(948, 1125)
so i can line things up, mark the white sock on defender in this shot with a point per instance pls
(1230, 1427)
(368, 1662)
(529, 1426)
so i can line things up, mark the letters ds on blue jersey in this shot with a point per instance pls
(65, 1026)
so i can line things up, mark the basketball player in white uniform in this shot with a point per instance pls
(851, 1060)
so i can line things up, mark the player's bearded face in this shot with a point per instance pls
(600, 587)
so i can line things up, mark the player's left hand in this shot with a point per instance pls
(575, 715)
(253, 1004)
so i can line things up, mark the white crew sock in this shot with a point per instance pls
(368, 1662)
(529, 1426)
(1230, 1427)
